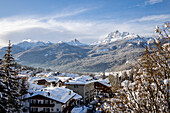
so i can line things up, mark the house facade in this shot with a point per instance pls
(43, 104)
(50, 100)
(102, 88)
(84, 86)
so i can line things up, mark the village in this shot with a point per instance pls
(57, 92)
(36, 90)
(84, 56)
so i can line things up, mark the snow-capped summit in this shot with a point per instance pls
(115, 36)
(28, 44)
(61, 42)
(75, 42)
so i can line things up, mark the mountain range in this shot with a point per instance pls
(118, 51)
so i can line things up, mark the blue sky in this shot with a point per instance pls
(86, 20)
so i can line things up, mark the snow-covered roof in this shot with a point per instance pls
(84, 79)
(34, 87)
(47, 79)
(63, 79)
(97, 76)
(59, 94)
(51, 74)
(52, 79)
(77, 96)
(32, 79)
(105, 82)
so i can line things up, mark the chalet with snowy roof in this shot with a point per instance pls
(47, 81)
(63, 80)
(50, 100)
(84, 86)
(102, 87)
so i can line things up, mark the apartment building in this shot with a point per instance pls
(84, 86)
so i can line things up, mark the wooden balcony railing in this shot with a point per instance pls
(41, 105)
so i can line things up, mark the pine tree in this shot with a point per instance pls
(3, 90)
(11, 84)
(24, 87)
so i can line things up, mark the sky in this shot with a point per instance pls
(86, 20)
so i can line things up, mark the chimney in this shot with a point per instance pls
(48, 93)
(69, 92)
(31, 93)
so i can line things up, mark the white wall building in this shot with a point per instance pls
(51, 100)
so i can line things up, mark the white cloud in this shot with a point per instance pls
(153, 18)
(66, 14)
(49, 28)
(152, 2)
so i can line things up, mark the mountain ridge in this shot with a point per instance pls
(111, 55)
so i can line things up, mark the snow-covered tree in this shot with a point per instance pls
(9, 83)
(24, 87)
(149, 92)
(3, 90)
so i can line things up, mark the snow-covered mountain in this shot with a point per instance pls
(116, 52)
(75, 42)
(116, 36)
(27, 44)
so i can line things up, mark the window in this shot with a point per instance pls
(40, 102)
(75, 86)
(46, 101)
(34, 109)
(47, 109)
(51, 109)
(57, 109)
(34, 101)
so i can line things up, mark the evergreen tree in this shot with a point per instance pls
(10, 94)
(3, 90)
(24, 87)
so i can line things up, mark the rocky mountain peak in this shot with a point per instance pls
(76, 42)
(116, 35)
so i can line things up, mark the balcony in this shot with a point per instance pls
(41, 105)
